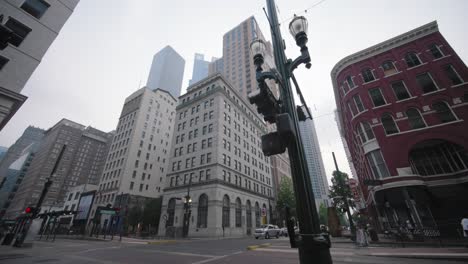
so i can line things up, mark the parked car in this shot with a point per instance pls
(267, 231)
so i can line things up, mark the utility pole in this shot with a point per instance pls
(313, 246)
(348, 213)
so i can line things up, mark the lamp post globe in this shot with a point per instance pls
(257, 48)
(298, 29)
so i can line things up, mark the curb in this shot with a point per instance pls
(253, 247)
(162, 242)
(447, 256)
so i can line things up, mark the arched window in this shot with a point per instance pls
(248, 213)
(367, 75)
(350, 82)
(412, 59)
(365, 132)
(389, 124)
(202, 215)
(444, 112)
(226, 209)
(433, 157)
(238, 213)
(257, 214)
(264, 208)
(170, 212)
(388, 68)
(415, 119)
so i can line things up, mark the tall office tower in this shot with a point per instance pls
(138, 157)
(237, 60)
(30, 135)
(314, 161)
(33, 26)
(167, 71)
(216, 158)
(3, 151)
(200, 68)
(345, 145)
(216, 66)
(82, 162)
(14, 177)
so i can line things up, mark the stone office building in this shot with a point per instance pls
(216, 159)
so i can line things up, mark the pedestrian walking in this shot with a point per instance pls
(464, 223)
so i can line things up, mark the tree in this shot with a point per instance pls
(286, 198)
(340, 191)
(323, 214)
(152, 212)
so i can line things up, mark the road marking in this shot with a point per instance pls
(94, 249)
(179, 253)
(93, 259)
(209, 260)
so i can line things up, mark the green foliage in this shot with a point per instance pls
(286, 198)
(323, 214)
(340, 191)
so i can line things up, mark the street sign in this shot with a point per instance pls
(107, 212)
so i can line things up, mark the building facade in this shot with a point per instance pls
(34, 25)
(200, 68)
(14, 177)
(167, 71)
(30, 135)
(318, 177)
(139, 154)
(215, 66)
(82, 162)
(402, 105)
(216, 159)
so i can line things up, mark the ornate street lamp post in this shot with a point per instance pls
(313, 246)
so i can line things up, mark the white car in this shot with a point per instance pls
(267, 231)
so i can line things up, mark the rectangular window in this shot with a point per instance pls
(20, 31)
(367, 75)
(435, 51)
(400, 90)
(35, 8)
(426, 83)
(377, 164)
(451, 74)
(358, 102)
(389, 68)
(131, 185)
(351, 109)
(3, 62)
(377, 97)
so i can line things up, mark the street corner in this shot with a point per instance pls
(254, 247)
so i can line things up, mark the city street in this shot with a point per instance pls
(195, 252)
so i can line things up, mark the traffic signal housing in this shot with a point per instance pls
(266, 103)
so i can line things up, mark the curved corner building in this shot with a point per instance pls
(402, 106)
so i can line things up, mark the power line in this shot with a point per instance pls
(305, 10)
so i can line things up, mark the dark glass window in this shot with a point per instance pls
(226, 211)
(435, 51)
(400, 90)
(257, 215)
(170, 212)
(365, 132)
(367, 75)
(36, 8)
(3, 62)
(358, 102)
(444, 112)
(377, 97)
(452, 74)
(412, 59)
(248, 214)
(389, 125)
(415, 119)
(426, 83)
(20, 31)
(350, 81)
(202, 215)
(238, 213)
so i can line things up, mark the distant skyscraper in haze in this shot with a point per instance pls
(200, 68)
(167, 71)
(216, 65)
(314, 161)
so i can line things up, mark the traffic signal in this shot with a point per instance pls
(31, 210)
(266, 103)
(277, 142)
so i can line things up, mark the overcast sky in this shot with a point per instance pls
(104, 52)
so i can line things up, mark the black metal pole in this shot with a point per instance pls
(313, 248)
(348, 212)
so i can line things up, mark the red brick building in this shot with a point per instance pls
(402, 106)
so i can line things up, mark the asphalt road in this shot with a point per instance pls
(192, 251)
